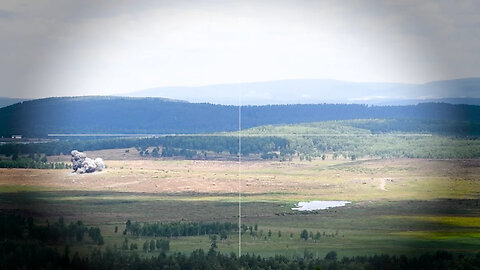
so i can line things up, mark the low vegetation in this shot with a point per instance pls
(37, 256)
(23, 162)
(182, 214)
(176, 229)
(352, 139)
(15, 227)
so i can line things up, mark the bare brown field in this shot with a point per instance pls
(332, 179)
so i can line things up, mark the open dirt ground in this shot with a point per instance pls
(359, 180)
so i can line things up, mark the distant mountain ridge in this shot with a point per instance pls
(9, 101)
(466, 101)
(313, 91)
(99, 115)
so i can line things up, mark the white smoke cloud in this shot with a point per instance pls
(82, 164)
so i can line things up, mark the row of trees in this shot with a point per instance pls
(162, 245)
(352, 139)
(18, 228)
(444, 127)
(16, 255)
(385, 146)
(305, 235)
(218, 144)
(175, 229)
(254, 232)
(306, 147)
(26, 163)
(173, 152)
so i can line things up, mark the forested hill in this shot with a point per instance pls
(37, 118)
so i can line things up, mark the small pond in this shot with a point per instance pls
(318, 205)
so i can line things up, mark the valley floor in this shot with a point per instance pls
(399, 206)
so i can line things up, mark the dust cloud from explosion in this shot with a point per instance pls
(82, 164)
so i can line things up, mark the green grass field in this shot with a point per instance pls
(398, 206)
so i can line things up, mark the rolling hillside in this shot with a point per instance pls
(37, 118)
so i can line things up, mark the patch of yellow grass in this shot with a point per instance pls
(453, 221)
(437, 235)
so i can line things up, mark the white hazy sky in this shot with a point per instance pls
(101, 47)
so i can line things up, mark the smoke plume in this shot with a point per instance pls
(82, 164)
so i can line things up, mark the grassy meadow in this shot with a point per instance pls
(399, 206)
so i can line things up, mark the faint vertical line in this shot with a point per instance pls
(239, 175)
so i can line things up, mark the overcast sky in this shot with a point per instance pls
(59, 47)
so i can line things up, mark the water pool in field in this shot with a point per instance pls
(319, 205)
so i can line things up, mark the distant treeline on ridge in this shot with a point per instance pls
(38, 118)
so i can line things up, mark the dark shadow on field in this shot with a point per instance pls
(395, 227)
(114, 207)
